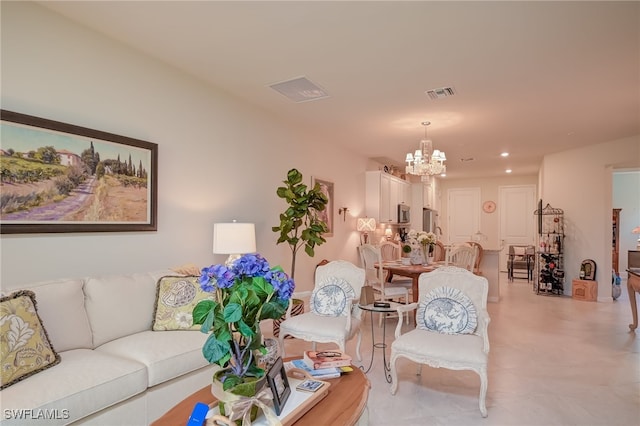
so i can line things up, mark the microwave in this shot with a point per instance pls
(404, 215)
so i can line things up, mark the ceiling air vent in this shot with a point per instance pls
(300, 89)
(441, 92)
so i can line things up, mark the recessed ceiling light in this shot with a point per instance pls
(504, 154)
(508, 171)
(443, 175)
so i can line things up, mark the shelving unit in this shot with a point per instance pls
(549, 269)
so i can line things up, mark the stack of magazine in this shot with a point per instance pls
(322, 364)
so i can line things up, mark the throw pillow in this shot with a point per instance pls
(176, 298)
(330, 297)
(447, 310)
(25, 348)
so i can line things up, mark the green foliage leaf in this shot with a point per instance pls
(214, 349)
(232, 312)
(202, 309)
(245, 330)
(272, 310)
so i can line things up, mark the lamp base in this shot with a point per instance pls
(231, 260)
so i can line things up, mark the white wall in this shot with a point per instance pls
(489, 190)
(580, 182)
(219, 159)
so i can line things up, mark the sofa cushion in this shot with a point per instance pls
(85, 381)
(166, 355)
(120, 305)
(331, 297)
(175, 300)
(24, 345)
(61, 307)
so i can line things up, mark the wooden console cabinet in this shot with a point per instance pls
(584, 290)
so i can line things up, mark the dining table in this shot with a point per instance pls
(410, 271)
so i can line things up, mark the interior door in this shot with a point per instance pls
(517, 221)
(463, 214)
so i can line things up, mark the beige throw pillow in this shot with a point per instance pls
(176, 298)
(25, 348)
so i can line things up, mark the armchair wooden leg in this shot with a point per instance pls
(483, 391)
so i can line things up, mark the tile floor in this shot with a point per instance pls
(553, 361)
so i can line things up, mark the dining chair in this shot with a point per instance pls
(392, 251)
(334, 315)
(479, 253)
(439, 252)
(462, 256)
(452, 327)
(371, 255)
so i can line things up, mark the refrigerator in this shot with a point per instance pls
(429, 220)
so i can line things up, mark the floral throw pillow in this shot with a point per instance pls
(25, 348)
(176, 298)
(447, 310)
(331, 297)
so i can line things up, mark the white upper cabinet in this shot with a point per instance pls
(383, 194)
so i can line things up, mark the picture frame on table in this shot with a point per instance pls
(279, 385)
(60, 177)
(327, 214)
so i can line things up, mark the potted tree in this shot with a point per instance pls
(300, 225)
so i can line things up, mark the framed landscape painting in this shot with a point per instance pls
(327, 214)
(58, 177)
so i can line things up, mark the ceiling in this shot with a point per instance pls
(531, 78)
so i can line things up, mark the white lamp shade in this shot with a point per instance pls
(366, 224)
(234, 238)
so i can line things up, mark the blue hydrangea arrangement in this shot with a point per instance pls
(245, 293)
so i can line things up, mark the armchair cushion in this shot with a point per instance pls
(332, 297)
(447, 310)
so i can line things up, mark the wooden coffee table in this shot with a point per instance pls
(344, 404)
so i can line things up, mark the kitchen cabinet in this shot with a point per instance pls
(383, 194)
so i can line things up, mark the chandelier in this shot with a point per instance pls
(426, 162)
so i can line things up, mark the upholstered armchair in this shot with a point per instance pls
(452, 326)
(521, 258)
(334, 315)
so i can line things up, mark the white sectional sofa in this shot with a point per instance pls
(114, 369)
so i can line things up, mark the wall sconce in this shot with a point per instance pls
(343, 211)
(365, 225)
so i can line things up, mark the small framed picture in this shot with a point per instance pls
(309, 385)
(279, 384)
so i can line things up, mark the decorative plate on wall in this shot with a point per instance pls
(489, 206)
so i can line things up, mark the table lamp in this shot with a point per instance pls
(234, 239)
(365, 225)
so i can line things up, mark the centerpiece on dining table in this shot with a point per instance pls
(422, 244)
(245, 293)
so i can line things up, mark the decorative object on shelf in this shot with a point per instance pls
(246, 293)
(301, 223)
(636, 230)
(588, 270)
(425, 161)
(364, 225)
(234, 239)
(489, 206)
(616, 291)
